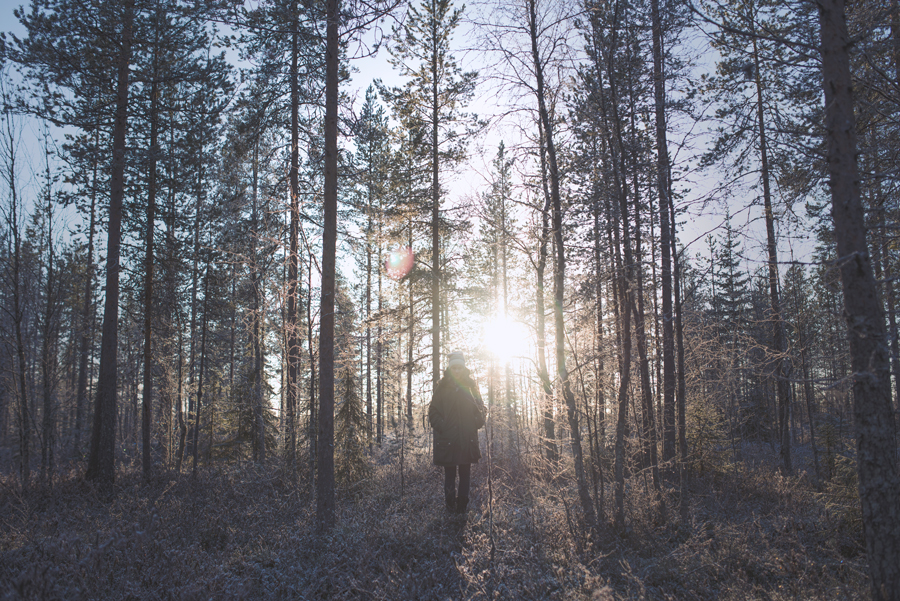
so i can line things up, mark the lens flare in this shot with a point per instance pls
(399, 262)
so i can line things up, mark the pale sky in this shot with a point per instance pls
(473, 177)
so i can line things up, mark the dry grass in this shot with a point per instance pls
(246, 532)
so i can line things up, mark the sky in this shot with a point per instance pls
(698, 221)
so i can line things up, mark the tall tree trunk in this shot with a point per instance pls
(293, 329)
(624, 384)
(147, 400)
(325, 473)
(879, 482)
(508, 379)
(313, 429)
(102, 459)
(19, 379)
(379, 375)
(649, 419)
(779, 342)
(368, 301)
(598, 347)
(435, 209)
(625, 269)
(559, 277)
(48, 353)
(195, 444)
(186, 431)
(680, 391)
(87, 314)
(662, 171)
(809, 393)
(411, 339)
(256, 328)
(548, 422)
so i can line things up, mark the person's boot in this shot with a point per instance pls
(450, 500)
(461, 504)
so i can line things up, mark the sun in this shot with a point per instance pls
(505, 338)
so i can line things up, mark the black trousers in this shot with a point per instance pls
(465, 475)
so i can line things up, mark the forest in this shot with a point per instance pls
(240, 240)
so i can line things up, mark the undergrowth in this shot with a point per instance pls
(247, 531)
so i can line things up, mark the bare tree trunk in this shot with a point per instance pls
(293, 330)
(411, 344)
(665, 233)
(435, 213)
(680, 391)
(600, 429)
(325, 474)
(379, 348)
(879, 482)
(649, 419)
(559, 277)
(187, 425)
(503, 272)
(48, 354)
(624, 383)
(147, 400)
(20, 389)
(368, 301)
(196, 442)
(624, 292)
(779, 342)
(256, 329)
(102, 460)
(548, 421)
(313, 381)
(87, 316)
(810, 407)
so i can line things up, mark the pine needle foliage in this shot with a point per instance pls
(351, 464)
(238, 423)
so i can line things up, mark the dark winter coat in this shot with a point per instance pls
(456, 413)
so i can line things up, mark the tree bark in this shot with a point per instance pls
(680, 391)
(147, 399)
(256, 329)
(662, 171)
(102, 459)
(293, 329)
(410, 337)
(435, 208)
(600, 392)
(325, 474)
(548, 422)
(779, 342)
(195, 444)
(20, 377)
(649, 418)
(559, 277)
(87, 317)
(48, 353)
(879, 482)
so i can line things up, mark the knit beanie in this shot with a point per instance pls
(457, 358)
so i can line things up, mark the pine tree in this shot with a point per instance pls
(755, 104)
(372, 159)
(879, 480)
(350, 426)
(436, 90)
(103, 35)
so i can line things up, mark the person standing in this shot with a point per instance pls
(456, 413)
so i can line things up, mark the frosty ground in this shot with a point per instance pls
(248, 531)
